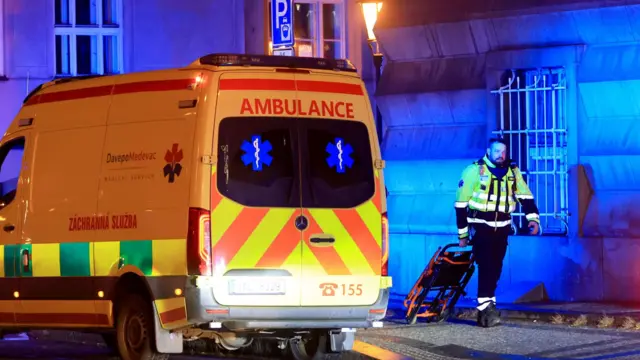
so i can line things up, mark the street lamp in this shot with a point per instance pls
(370, 10)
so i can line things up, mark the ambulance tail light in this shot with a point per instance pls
(199, 260)
(385, 245)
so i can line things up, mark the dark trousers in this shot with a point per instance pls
(489, 249)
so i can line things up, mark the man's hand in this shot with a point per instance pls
(534, 227)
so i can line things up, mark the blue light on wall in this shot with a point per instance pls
(432, 134)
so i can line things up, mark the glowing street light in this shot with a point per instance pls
(370, 10)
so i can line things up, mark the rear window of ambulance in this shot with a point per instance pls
(259, 162)
(339, 163)
(256, 162)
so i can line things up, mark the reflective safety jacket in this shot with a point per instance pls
(487, 195)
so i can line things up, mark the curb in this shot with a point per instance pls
(396, 315)
(549, 315)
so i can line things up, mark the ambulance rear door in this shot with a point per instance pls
(255, 190)
(341, 250)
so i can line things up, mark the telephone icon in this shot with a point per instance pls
(328, 289)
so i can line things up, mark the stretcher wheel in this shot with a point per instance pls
(444, 315)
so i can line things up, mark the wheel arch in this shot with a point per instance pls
(131, 280)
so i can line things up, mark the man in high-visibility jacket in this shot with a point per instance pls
(485, 199)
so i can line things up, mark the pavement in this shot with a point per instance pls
(514, 340)
(529, 331)
(455, 339)
(23, 347)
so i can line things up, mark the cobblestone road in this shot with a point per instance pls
(454, 340)
(511, 341)
(20, 347)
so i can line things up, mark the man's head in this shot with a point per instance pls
(497, 151)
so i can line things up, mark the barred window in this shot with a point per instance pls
(532, 119)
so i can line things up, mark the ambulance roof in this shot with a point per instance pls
(234, 60)
(295, 62)
(56, 82)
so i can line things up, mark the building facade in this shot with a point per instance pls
(43, 39)
(559, 82)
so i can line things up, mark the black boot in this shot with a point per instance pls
(489, 316)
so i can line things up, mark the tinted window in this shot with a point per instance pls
(10, 165)
(338, 166)
(257, 163)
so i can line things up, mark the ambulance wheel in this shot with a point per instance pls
(263, 347)
(135, 330)
(315, 347)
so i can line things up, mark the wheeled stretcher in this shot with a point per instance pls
(446, 276)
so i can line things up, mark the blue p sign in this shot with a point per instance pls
(281, 23)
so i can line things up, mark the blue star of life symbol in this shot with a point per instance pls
(256, 153)
(339, 155)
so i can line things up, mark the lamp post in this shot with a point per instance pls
(370, 10)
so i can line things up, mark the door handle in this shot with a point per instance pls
(317, 240)
(322, 240)
(25, 260)
(9, 228)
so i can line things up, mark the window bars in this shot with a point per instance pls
(532, 120)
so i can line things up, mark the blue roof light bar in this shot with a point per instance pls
(277, 61)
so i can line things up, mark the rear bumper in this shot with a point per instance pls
(202, 308)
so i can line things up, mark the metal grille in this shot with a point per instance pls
(533, 122)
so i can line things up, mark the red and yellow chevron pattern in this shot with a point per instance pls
(249, 237)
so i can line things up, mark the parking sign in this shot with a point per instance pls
(282, 23)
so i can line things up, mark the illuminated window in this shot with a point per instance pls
(2, 39)
(88, 37)
(319, 28)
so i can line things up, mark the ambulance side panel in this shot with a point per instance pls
(68, 134)
(15, 160)
(147, 168)
(203, 150)
(14, 138)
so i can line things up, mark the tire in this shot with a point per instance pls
(135, 330)
(261, 347)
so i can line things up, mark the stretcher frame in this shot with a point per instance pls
(433, 278)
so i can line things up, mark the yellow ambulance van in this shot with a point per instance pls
(239, 199)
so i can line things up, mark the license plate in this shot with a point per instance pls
(256, 287)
